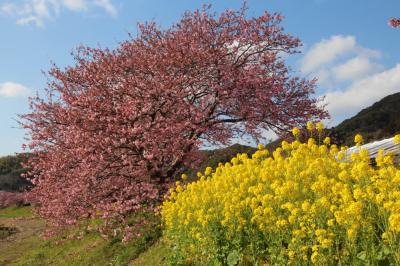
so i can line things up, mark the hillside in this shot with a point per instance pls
(10, 173)
(213, 157)
(380, 120)
(21, 242)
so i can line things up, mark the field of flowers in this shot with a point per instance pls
(304, 204)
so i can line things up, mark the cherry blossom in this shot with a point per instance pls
(394, 22)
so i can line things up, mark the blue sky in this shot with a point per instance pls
(347, 45)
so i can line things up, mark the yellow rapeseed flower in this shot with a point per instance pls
(310, 126)
(320, 126)
(296, 131)
(358, 139)
(396, 139)
(327, 141)
(208, 171)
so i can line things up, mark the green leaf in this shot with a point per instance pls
(362, 255)
(380, 255)
(386, 250)
(216, 263)
(233, 258)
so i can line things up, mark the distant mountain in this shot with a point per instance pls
(213, 157)
(380, 120)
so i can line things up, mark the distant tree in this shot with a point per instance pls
(12, 198)
(11, 172)
(119, 123)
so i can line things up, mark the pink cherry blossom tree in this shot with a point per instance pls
(119, 124)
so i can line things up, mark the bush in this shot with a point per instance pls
(305, 204)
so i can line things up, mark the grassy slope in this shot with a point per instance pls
(153, 256)
(25, 239)
(27, 247)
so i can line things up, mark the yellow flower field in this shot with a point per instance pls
(304, 204)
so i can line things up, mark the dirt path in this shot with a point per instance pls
(28, 232)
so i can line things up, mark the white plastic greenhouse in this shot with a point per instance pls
(386, 144)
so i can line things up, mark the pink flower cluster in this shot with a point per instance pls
(12, 198)
(394, 22)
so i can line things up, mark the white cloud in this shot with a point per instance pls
(366, 52)
(350, 75)
(76, 5)
(324, 60)
(355, 68)
(324, 76)
(41, 8)
(38, 11)
(30, 20)
(363, 93)
(107, 6)
(327, 51)
(11, 89)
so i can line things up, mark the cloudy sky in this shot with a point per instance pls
(347, 45)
